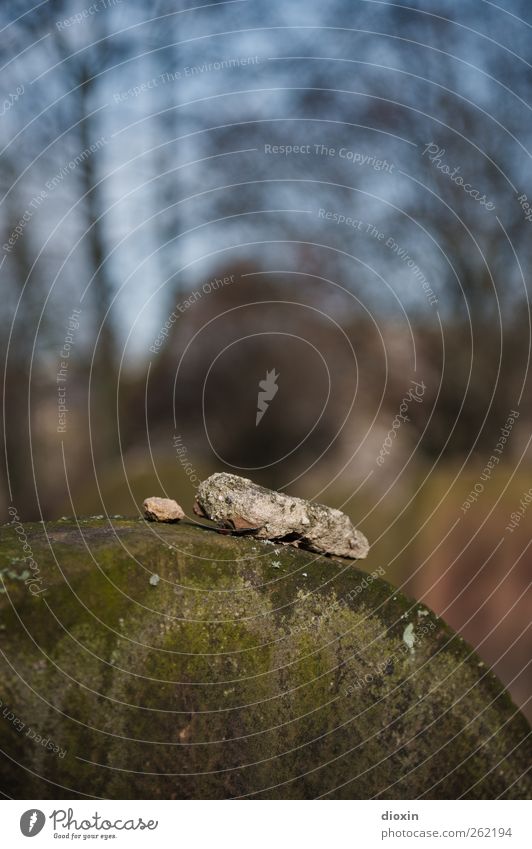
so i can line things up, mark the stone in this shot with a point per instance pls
(241, 505)
(162, 510)
(224, 683)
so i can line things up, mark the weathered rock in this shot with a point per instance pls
(240, 504)
(249, 670)
(162, 510)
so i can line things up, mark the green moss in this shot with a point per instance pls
(248, 669)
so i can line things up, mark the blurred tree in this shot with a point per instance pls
(292, 138)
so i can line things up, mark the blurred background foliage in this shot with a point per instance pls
(141, 153)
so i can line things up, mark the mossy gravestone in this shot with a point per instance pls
(169, 661)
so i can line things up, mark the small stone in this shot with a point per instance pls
(154, 580)
(238, 504)
(162, 510)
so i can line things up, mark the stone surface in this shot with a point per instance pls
(162, 510)
(234, 676)
(242, 505)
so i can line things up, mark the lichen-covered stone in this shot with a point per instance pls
(240, 504)
(162, 510)
(234, 676)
